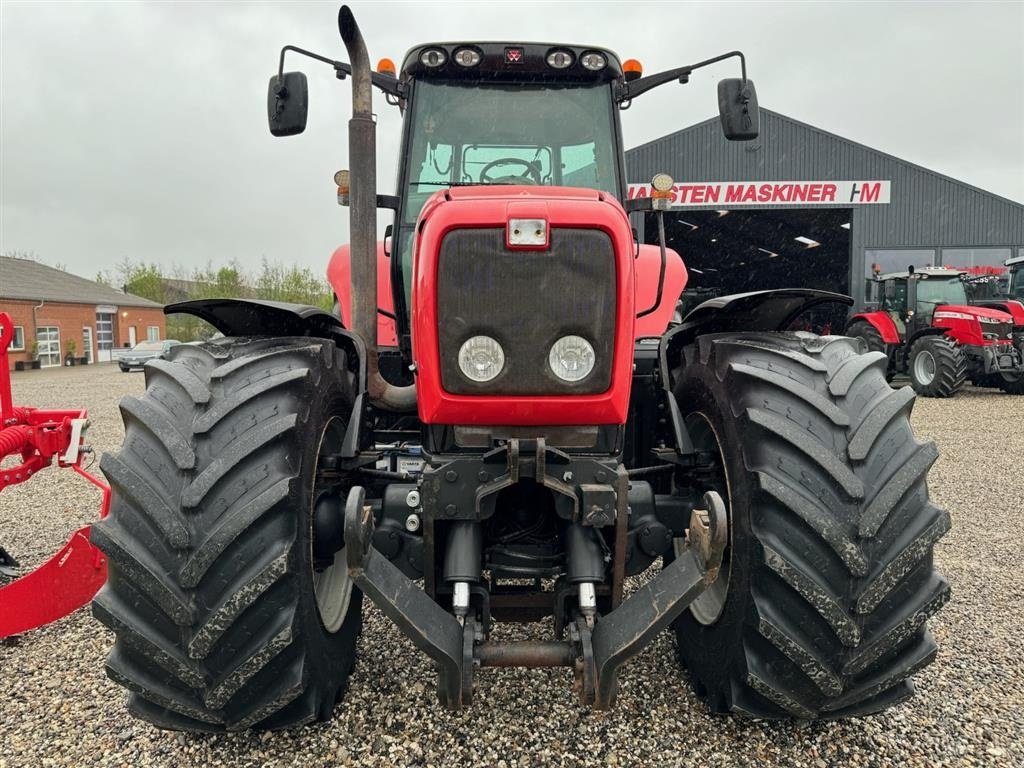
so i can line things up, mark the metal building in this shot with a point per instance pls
(803, 207)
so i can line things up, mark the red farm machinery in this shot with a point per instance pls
(503, 421)
(31, 439)
(930, 330)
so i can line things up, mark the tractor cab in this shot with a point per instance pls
(911, 298)
(1016, 287)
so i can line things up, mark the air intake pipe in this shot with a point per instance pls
(362, 150)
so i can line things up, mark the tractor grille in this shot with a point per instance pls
(526, 300)
(1003, 331)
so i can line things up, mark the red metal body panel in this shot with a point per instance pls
(648, 268)
(962, 324)
(483, 207)
(882, 323)
(72, 577)
(339, 275)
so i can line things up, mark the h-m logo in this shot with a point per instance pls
(866, 192)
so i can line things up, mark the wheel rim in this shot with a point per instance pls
(707, 608)
(332, 586)
(924, 367)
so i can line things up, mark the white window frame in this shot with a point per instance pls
(152, 333)
(14, 342)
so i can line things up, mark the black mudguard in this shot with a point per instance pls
(255, 317)
(757, 311)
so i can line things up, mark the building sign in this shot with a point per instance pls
(805, 193)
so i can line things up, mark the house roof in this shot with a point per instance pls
(29, 280)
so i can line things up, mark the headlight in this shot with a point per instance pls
(467, 57)
(571, 358)
(481, 358)
(433, 57)
(593, 61)
(559, 59)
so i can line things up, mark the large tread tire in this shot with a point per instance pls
(1011, 386)
(210, 587)
(865, 331)
(830, 574)
(950, 367)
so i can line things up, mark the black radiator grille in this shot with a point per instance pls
(526, 300)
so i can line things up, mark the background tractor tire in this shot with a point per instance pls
(937, 367)
(211, 591)
(1011, 384)
(865, 331)
(828, 573)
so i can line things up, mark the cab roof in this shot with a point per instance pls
(925, 272)
(511, 62)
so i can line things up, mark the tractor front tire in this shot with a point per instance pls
(937, 367)
(211, 590)
(1011, 384)
(866, 332)
(819, 610)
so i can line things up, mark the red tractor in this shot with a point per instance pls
(502, 423)
(929, 330)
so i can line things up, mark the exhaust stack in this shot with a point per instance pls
(362, 150)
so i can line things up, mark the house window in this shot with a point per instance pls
(18, 342)
(153, 333)
(48, 339)
(104, 331)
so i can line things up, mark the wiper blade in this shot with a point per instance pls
(460, 183)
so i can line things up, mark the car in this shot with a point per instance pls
(143, 352)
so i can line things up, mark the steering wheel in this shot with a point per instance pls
(532, 175)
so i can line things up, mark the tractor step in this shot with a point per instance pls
(596, 649)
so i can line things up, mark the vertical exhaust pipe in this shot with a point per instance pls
(362, 150)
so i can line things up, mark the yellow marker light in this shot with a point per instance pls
(661, 191)
(386, 67)
(632, 69)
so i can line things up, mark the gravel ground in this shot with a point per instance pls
(57, 708)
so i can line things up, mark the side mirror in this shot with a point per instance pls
(737, 106)
(287, 104)
(890, 289)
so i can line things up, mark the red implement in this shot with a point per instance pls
(34, 437)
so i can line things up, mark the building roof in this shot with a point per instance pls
(31, 281)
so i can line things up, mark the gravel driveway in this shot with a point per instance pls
(57, 707)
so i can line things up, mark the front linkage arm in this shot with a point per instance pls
(596, 649)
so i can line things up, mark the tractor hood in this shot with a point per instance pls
(964, 312)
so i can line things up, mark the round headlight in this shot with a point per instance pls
(433, 57)
(467, 57)
(481, 358)
(571, 358)
(593, 61)
(559, 59)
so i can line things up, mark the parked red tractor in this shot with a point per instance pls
(929, 330)
(30, 440)
(537, 432)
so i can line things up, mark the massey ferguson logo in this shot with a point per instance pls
(773, 193)
(513, 55)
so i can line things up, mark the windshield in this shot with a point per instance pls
(1017, 283)
(932, 293)
(148, 346)
(544, 134)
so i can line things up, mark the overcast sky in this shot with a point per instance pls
(139, 130)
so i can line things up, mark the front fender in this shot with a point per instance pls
(255, 317)
(757, 311)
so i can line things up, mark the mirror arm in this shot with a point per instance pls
(388, 84)
(628, 91)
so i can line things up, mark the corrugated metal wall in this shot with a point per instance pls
(927, 210)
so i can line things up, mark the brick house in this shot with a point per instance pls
(60, 312)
